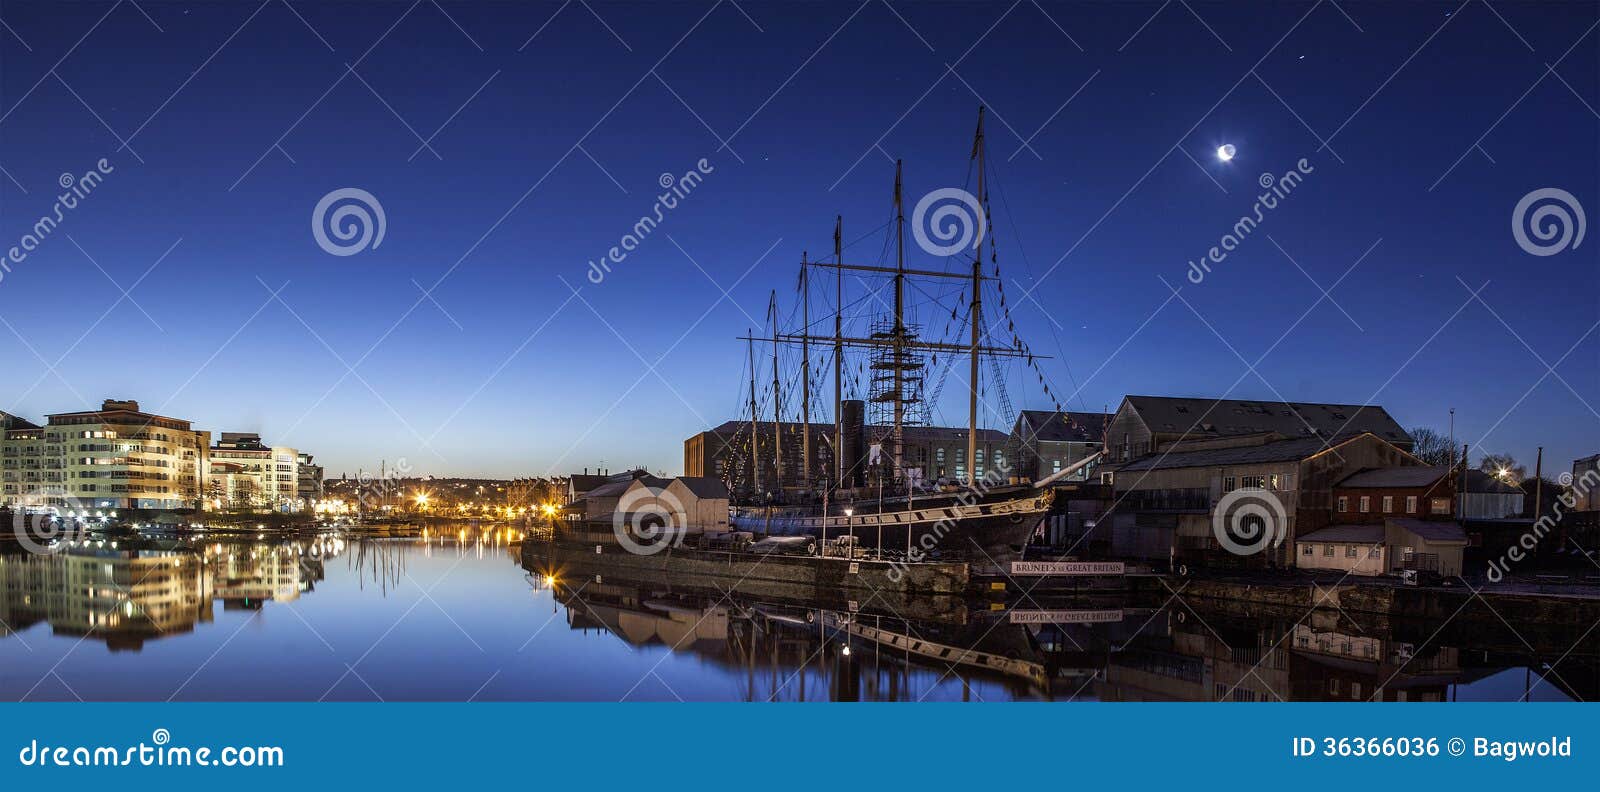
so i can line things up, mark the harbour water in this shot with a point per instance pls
(471, 616)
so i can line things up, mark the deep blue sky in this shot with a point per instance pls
(1400, 91)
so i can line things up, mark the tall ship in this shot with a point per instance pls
(874, 475)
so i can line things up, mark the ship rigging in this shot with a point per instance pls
(902, 371)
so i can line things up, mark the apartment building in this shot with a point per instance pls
(248, 474)
(116, 457)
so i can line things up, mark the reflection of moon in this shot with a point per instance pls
(1226, 151)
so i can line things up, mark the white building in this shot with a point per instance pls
(247, 474)
(116, 457)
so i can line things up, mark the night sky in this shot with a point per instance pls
(548, 125)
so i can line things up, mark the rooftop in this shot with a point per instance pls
(1281, 451)
(1204, 417)
(1048, 426)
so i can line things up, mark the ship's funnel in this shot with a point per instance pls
(853, 418)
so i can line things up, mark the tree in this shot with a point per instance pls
(1503, 467)
(1431, 447)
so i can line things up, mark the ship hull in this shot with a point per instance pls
(949, 527)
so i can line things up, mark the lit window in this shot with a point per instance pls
(1411, 504)
(1366, 504)
(1344, 504)
(1388, 504)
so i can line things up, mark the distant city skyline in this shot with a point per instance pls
(511, 147)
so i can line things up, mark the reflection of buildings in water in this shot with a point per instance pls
(1222, 658)
(798, 653)
(126, 596)
(244, 579)
(120, 596)
(1336, 665)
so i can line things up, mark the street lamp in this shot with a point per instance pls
(850, 525)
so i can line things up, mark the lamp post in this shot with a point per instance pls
(849, 524)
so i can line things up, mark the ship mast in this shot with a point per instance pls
(977, 312)
(805, 373)
(893, 349)
(838, 350)
(777, 401)
(897, 438)
(755, 457)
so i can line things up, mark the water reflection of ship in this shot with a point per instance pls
(125, 593)
(786, 651)
(1127, 648)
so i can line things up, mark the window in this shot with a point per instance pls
(1055, 466)
(1375, 552)
(1350, 551)
(1344, 504)
(1411, 504)
(1228, 484)
(1305, 550)
(1439, 505)
(1388, 504)
(1253, 482)
(1327, 551)
(1366, 503)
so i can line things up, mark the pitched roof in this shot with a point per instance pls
(616, 488)
(9, 421)
(1364, 534)
(704, 486)
(1281, 451)
(1204, 417)
(583, 482)
(1402, 477)
(1049, 426)
(1432, 530)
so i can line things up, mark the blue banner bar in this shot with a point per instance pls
(944, 746)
